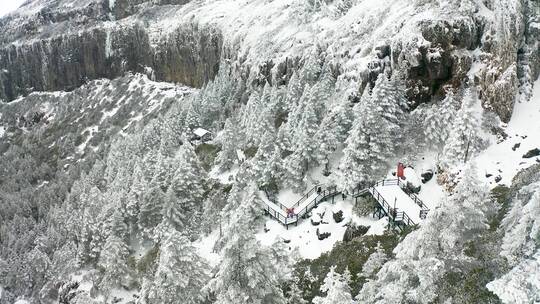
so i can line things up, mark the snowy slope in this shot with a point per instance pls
(503, 159)
(522, 283)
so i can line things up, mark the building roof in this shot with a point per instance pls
(200, 132)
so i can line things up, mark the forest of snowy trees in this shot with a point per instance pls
(107, 196)
(151, 193)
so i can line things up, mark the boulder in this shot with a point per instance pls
(323, 235)
(354, 231)
(338, 216)
(427, 176)
(532, 153)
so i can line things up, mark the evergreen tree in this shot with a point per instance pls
(230, 140)
(333, 131)
(266, 162)
(181, 273)
(375, 136)
(184, 198)
(295, 89)
(113, 263)
(295, 294)
(249, 271)
(438, 122)
(163, 170)
(463, 140)
(374, 262)
(150, 214)
(336, 287)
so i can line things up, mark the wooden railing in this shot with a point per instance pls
(392, 213)
(321, 196)
(305, 196)
(280, 217)
(424, 209)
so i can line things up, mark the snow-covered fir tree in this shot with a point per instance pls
(249, 272)
(181, 273)
(375, 136)
(438, 121)
(463, 139)
(336, 288)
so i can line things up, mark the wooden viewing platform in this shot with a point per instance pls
(404, 201)
(308, 201)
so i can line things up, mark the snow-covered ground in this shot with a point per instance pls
(522, 283)
(505, 159)
(226, 177)
(304, 237)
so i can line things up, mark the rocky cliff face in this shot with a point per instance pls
(47, 59)
(491, 45)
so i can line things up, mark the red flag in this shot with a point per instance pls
(400, 169)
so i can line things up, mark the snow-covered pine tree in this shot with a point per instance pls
(333, 131)
(295, 89)
(374, 262)
(134, 197)
(151, 207)
(438, 122)
(283, 138)
(250, 118)
(375, 136)
(265, 163)
(181, 273)
(295, 294)
(313, 64)
(91, 234)
(249, 272)
(336, 287)
(230, 139)
(263, 125)
(463, 140)
(297, 110)
(113, 263)
(390, 103)
(355, 162)
(184, 198)
(470, 206)
(297, 164)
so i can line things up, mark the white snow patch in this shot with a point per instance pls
(205, 248)
(226, 177)
(91, 130)
(2, 131)
(523, 129)
(110, 113)
(123, 296)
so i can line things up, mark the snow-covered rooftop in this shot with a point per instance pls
(200, 132)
